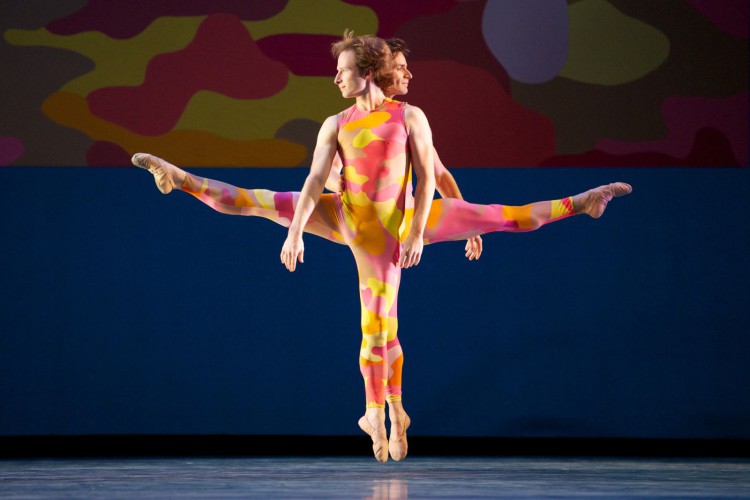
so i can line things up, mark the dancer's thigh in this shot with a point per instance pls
(324, 221)
(275, 206)
(452, 219)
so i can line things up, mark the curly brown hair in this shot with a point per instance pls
(371, 54)
(397, 45)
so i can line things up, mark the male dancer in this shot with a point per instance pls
(378, 140)
(445, 183)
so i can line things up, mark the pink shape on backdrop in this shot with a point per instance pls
(477, 124)
(684, 117)
(11, 149)
(731, 16)
(126, 18)
(454, 35)
(710, 149)
(107, 154)
(222, 58)
(392, 14)
(304, 55)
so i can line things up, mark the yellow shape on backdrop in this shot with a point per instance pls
(182, 147)
(210, 119)
(322, 17)
(123, 62)
(117, 62)
(606, 47)
(312, 98)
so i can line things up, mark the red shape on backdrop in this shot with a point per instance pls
(304, 55)
(393, 13)
(710, 149)
(447, 36)
(222, 58)
(731, 17)
(11, 149)
(127, 18)
(475, 123)
(107, 154)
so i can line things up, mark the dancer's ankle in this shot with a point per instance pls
(395, 406)
(375, 414)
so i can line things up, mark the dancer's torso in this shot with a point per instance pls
(374, 148)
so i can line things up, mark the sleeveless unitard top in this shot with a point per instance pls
(374, 148)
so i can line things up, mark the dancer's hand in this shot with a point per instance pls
(411, 251)
(292, 251)
(474, 247)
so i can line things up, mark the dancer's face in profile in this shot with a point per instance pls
(401, 76)
(348, 79)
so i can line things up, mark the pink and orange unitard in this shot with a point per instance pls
(372, 217)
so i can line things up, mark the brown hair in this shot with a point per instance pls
(397, 45)
(370, 54)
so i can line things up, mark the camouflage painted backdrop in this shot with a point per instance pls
(504, 83)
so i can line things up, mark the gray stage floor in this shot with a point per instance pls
(364, 478)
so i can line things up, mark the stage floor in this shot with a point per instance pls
(358, 477)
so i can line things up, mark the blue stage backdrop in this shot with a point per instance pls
(125, 311)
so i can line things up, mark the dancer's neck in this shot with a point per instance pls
(371, 98)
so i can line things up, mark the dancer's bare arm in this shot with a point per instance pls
(444, 181)
(447, 187)
(293, 249)
(333, 183)
(420, 142)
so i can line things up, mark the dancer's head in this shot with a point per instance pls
(399, 84)
(361, 59)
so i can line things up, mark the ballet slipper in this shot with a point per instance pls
(594, 201)
(164, 172)
(398, 447)
(379, 442)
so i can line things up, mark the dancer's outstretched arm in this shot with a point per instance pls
(325, 149)
(420, 142)
(444, 181)
(447, 187)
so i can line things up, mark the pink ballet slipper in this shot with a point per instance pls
(379, 442)
(594, 201)
(165, 174)
(398, 447)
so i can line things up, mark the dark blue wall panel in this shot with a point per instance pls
(126, 311)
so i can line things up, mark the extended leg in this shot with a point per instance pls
(452, 219)
(228, 199)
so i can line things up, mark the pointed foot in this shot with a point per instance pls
(594, 201)
(398, 447)
(165, 174)
(379, 442)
